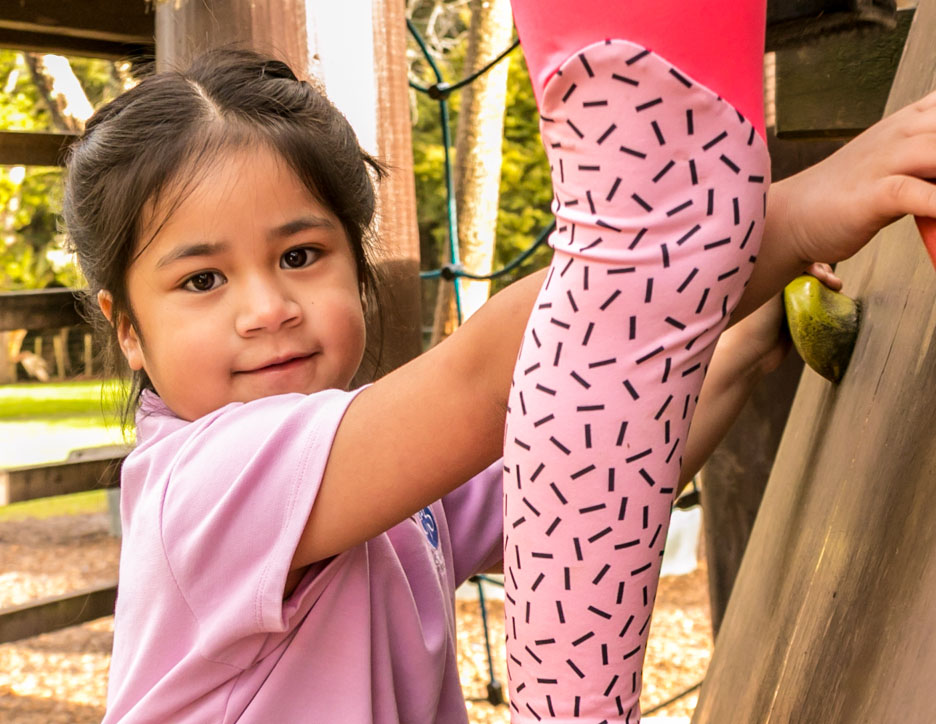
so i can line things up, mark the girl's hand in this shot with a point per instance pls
(760, 341)
(835, 207)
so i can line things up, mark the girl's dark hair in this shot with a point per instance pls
(141, 145)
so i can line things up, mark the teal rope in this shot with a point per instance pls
(451, 211)
(450, 271)
(440, 91)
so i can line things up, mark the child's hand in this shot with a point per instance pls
(836, 206)
(760, 341)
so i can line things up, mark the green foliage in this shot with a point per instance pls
(20, 105)
(525, 190)
(526, 187)
(31, 248)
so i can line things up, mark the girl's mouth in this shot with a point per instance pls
(281, 364)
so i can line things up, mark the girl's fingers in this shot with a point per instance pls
(908, 195)
(823, 272)
(914, 156)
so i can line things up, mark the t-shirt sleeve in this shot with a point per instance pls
(236, 503)
(473, 512)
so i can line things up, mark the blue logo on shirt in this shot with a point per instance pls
(428, 522)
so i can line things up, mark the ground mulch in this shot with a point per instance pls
(61, 677)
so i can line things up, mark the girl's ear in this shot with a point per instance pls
(127, 336)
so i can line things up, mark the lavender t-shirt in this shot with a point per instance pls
(212, 511)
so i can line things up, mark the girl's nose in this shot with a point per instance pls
(265, 306)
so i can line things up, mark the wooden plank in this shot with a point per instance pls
(794, 23)
(24, 148)
(40, 309)
(51, 614)
(276, 27)
(837, 86)
(122, 21)
(51, 42)
(43, 481)
(831, 619)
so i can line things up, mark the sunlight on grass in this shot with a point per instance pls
(42, 423)
(90, 501)
(32, 400)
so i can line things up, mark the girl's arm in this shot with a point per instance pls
(745, 353)
(421, 431)
(831, 210)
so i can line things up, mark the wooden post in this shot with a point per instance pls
(88, 354)
(60, 348)
(397, 226)
(323, 39)
(831, 618)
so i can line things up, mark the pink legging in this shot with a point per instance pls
(659, 194)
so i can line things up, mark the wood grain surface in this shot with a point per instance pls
(832, 617)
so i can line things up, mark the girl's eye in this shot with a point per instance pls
(203, 282)
(299, 258)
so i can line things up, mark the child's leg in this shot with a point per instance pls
(720, 44)
(659, 196)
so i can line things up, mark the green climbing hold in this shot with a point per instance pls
(823, 325)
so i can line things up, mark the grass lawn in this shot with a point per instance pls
(42, 422)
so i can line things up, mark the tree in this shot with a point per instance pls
(525, 189)
(41, 93)
(478, 141)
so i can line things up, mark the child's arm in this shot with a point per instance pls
(832, 209)
(421, 431)
(745, 353)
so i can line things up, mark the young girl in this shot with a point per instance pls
(291, 548)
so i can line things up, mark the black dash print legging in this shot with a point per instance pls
(651, 119)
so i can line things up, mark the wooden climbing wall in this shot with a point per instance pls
(832, 617)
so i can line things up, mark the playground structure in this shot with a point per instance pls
(831, 615)
(830, 599)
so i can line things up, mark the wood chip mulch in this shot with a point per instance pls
(61, 677)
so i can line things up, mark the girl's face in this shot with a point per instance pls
(249, 289)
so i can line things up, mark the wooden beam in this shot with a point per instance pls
(40, 309)
(23, 148)
(121, 21)
(50, 42)
(837, 86)
(57, 612)
(44, 481)
(276, 27)
(795, 23)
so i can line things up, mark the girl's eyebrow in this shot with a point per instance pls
(302, 224)
(189, 250)
(207, 248)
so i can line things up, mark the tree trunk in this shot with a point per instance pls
(61, 90)
(479, 137)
